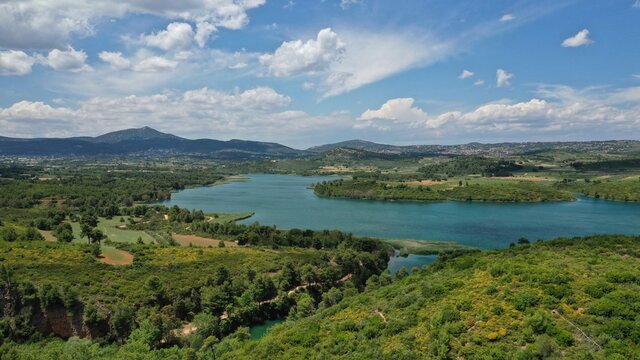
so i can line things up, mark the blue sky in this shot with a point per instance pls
(309, 72)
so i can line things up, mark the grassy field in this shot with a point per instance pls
(110, 228)
(113, 256)
(193, 240)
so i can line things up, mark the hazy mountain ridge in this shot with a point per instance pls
(508, 148)
(150, 142)
(144, 141)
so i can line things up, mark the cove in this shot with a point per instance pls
(288, 202)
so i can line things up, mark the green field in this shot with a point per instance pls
(110, 228)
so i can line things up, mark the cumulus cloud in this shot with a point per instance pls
(395, 111)
(155, 64)
(298, 57)
(465, 74)
(15, 63)
(115, 59)
(258, 113)
(579, 39)
(503, 78)
(177, 36)
(555, 111)
(507, 17)
(71, 60)
(28, 24)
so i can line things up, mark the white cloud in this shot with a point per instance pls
(465, 74)
(71, 60)
(307, 85)
(177, 36)
(507, 18)
(115, 59)
(203, 32)
(395, 111)
(155, 64)
(636, 76)
(48, 24)
(15, 63)
(478, 82)
(636, 4)
(503, 78)
(259, 113)
(579, 39)
(370, 57)
(345, 4)
(298, 57)
(237, 66)
(555, 111)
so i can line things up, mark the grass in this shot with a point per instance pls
(113, 256)
(193, 240)
(229, 217)
(420, 247)
(110, 228)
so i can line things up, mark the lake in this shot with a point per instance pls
(288, 202)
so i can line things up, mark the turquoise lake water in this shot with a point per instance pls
(287, 202)
(259, 331)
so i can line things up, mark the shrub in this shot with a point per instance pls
(525, 299)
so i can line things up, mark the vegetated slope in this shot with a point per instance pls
(144, 141)
(568, 298)
(609, 147)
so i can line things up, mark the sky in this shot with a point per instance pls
(304, 73)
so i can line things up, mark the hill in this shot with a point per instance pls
(144, 133)
(144, 142)
(568, 298)
(501, 149)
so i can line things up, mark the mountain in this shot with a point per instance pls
(612, 146)
(351, 144)
(145, 141)
(144, 133)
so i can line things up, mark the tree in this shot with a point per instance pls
(9, 234)
(63, 232)
(96, 236)
(121, 321)
(85, 231)
(95, 250)
(402, 273)
(305, 306)
(32, 234)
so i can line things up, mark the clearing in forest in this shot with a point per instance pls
(185, 240)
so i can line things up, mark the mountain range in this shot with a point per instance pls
(150, 142)
(144, 141)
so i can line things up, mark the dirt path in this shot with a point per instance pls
(185, 240)
(47, 235)
(115, 257)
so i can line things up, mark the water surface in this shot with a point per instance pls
(287, 202)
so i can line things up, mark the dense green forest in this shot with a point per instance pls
(568, 298)
(461, 189)
(93, 266)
